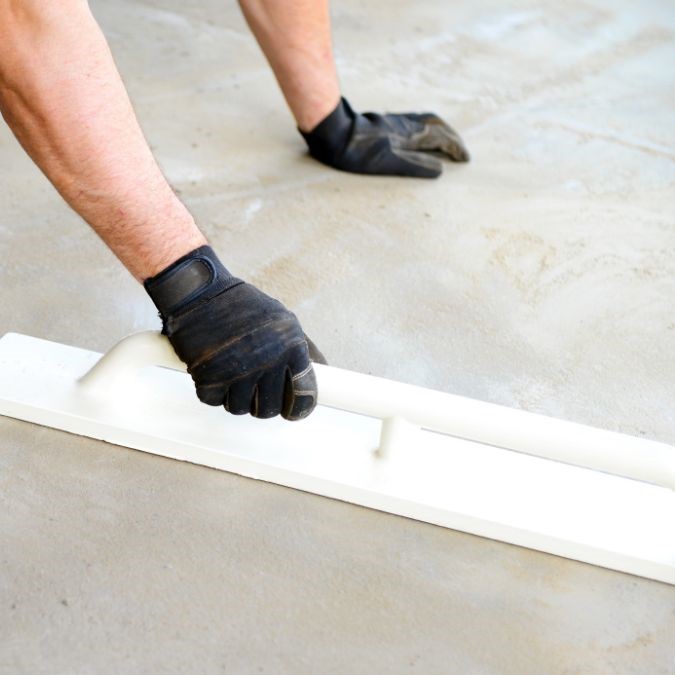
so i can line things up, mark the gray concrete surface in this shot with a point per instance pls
(541, 276)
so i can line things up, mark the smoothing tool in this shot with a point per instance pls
(547, 484)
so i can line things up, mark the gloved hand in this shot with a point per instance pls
(398, 145)
(244, 350)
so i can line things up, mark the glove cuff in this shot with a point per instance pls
(191, 280)
(328, 139)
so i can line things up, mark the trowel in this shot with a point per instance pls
(547, 484)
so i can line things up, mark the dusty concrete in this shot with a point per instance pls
(541, 276)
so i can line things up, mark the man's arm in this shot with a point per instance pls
(296, 39)
(61, 94)
(295, 36)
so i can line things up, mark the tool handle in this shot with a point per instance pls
(397, 403)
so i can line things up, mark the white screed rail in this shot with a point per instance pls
(607, 499)
(395, 403)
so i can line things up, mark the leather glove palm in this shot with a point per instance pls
(392, 144)
(244, 349)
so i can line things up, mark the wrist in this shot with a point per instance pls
(190, 280)
(159, 258)
(328, 139)
(312, 109)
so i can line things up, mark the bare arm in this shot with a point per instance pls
(296, 39)
(63, 98)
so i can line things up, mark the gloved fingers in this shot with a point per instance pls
(268, 399)
(417, 164)
(437, 135)
(240, 396)
(300, 392)
(315, 355)
(211, 394)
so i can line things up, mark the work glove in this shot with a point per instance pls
(396, 145)
(244, 350)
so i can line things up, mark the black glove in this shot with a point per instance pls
(384, 144)
(244, 350)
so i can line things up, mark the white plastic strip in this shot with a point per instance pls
(457, 416)
(577, 513)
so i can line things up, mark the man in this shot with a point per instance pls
(64, 100)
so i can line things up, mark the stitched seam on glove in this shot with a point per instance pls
(233, 341)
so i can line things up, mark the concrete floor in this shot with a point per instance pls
(540, 276)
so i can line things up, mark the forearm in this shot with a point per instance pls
(63, 98)
(296, 39)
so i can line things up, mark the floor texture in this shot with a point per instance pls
(540, 276)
